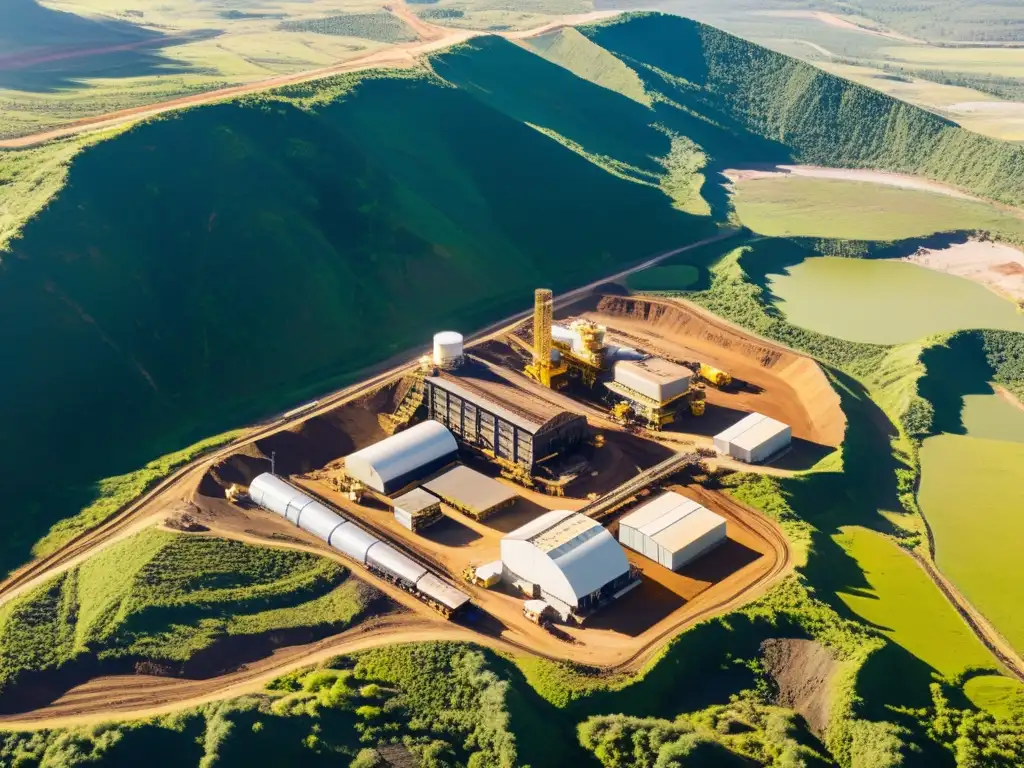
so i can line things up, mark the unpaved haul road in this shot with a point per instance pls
(402, 55)
(132, 697)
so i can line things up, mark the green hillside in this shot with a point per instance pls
(206, 269)
(819, 118)
(165, 598)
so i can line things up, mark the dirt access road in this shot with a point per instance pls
(405, 55)
(127, 697)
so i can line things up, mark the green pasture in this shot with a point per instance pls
(885, 302)
(1002, 61)
(787, 206)
(973, 496)
(166, 597)
(581, 56)
(993, 417)
(1001, 696)
(907, 607)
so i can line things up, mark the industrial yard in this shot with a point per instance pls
(421, 480)
(502, 482)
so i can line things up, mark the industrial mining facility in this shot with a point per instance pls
(554, 473)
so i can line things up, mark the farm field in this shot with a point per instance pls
(870, 51)
(172, 50)
(972, 495)
(786, 206)
(885, 302)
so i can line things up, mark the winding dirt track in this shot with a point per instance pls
(407, 55)
(128, 697)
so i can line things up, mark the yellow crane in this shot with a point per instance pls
(543, 370)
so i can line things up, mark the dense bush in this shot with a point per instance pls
(381, 26)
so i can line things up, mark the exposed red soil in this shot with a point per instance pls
(787, 386)
(803, 671)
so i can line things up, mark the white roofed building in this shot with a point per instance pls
(396, 461)
(672, 530)
(753, 438)
(572, 561)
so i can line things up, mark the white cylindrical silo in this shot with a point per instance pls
(447, 349)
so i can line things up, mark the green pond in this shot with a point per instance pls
(885, 302)
(972, 493)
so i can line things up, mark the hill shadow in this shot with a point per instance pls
(305, 235)
(68, 68)
(954, 370)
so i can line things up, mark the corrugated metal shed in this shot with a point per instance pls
(437, 590)
(723, 440)
(398, 460)
(569, 555)
(271, 492)
(415, 501)
(351, 540)
(468, 490)
(529, 423)
(672, 530)
(394, 562)
(761, 441)
(319, 520)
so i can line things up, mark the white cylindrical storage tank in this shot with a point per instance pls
(447, 349)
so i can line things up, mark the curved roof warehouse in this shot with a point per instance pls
(401, 459)
(574, 560)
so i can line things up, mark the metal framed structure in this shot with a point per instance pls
(570, 560)
(672, 530)
(486, 424)
(281, 497)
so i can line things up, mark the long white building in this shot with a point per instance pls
(672, 530)
(567, 559)
(754, 438)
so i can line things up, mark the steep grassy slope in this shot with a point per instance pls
(819, 118)
(207, 268)
(164, 598)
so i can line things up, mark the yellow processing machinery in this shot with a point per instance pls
(543, 369)
(714, 376)
(584, 353)
(589, 357)
(652, 392)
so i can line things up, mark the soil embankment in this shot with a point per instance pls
(781, 383)
(803, 671)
